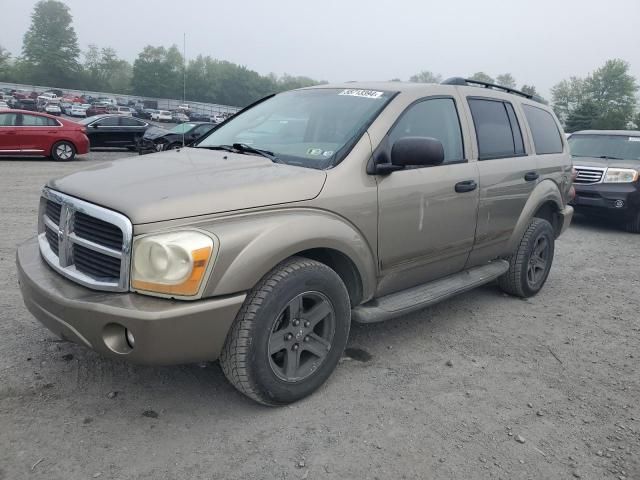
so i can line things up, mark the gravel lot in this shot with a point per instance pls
(481, 386)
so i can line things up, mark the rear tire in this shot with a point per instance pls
(633, 224)
(530, 264)
(289, 334)
(63, 151)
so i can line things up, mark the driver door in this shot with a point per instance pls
(427, 216)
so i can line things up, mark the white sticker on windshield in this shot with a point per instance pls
(634, 139)
(362, 93)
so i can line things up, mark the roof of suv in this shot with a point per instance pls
(411, 88)
(623, 133)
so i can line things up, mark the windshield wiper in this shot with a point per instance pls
(244, 148)
(226, 148)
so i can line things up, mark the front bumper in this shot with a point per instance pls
(166, 331)
(613, 198)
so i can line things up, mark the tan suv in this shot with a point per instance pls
(309, 209)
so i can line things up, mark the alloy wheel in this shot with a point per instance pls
(301, 337)
(538, 261)
(64, 151)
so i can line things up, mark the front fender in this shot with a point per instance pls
(545, 191)
(252, 244)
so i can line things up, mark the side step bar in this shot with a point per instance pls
(422, 296)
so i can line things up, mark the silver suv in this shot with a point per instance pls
(259, 244)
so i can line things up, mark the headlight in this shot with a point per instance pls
(173, 263)
(620, 175)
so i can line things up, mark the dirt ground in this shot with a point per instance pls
(481, 386)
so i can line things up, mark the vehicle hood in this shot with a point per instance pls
(155, 132)
(604, 163)
(190, 182)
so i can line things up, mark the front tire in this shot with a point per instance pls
(531, 263)
(289, 334)
(63, 151)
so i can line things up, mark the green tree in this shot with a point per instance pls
(426, 77)
(506, 80)
(158, 72)
(482, 77)
(567, 96)
(50, 47)
(613, 90)
(584, 117)
(104, 71)
(529, 89)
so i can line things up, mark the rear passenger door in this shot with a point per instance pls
(508, 175)
(132, 130)
(105, 132)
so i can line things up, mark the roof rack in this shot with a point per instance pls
(469, 82)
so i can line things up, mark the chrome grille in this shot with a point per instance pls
(588, 175)
(84, 242)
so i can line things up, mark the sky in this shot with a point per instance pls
(539, 42)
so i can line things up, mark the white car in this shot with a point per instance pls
(78, 111)
(180, 117)
(161, 116)
(124, 111)
(52, 109)
(3, 104)
(47, 97)
(218, 118)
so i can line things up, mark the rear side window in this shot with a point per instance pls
(109, 122)
(546, 136)
(436, 118)
(131, 122)
(497, 129)
(37, 121)
(8, 119)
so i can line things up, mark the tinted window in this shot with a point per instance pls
(109, 122)
(131, 122)
(515, 128)
(36, 121)
(8, 119)
(546, 136)
(497, 136)
(436, 118)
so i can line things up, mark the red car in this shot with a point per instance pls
(25, 133)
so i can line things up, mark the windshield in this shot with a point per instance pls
(183, 128)
(598, 146)
(311, 128)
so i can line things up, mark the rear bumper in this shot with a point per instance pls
(622, 199)
(165, 331)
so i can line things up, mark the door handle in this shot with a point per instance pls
(531, 176)
(466, 186)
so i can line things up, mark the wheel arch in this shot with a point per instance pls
(544, 202)
(250, 246)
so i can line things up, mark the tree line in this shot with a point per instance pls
(604, 99)
(51, 56)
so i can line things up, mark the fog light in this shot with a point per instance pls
(619, 203)
(130, 338)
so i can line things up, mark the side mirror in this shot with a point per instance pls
(417, 151)
(95, 125)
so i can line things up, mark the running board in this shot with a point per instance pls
(422, 296)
